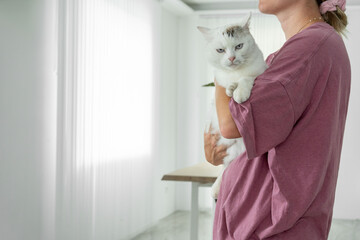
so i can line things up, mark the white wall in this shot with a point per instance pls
(27, 122)
(192, 104)
(163, 193)
(348, 188)
(188, 107)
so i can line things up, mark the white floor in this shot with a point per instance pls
(177, 227)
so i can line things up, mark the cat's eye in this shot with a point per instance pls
(239, 46)
(220, 50)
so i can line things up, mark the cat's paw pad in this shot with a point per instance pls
(230, 89)
(240, 95)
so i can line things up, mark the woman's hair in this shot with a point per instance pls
(337, 19)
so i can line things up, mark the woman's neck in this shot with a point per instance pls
(297, 18)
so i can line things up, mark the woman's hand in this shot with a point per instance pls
(214, 154)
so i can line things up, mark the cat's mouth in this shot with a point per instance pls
(234, 65)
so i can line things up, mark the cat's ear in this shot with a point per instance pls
(247, 21)
(207, 33)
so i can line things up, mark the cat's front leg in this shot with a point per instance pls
(243, 90)
(230, 89)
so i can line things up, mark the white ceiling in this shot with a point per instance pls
(213, 1)
(349, 2)
(214, 5)
(185, 7)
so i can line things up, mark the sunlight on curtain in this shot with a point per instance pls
(113, 82)
(107, 101)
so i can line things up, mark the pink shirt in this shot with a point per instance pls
(283, 186)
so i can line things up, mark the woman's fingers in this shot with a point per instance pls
(213, 141)
(217, 136)
(221, 148)
(210, 128)
(219, 153)
(214, 154)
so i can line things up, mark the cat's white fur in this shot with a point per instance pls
(235, 69)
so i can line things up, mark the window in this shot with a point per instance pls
(109, 80)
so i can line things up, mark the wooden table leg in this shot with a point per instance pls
(194, 223)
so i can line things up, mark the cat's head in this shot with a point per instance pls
(230, 46)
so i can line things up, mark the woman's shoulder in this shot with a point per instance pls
(310, 40)
(317, 30)
(299, 50)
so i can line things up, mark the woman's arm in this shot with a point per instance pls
(227, 125)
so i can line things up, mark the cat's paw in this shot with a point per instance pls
(215, 189)
(240, 95)
(230, 89)
(215, 192)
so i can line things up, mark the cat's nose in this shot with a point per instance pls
(231, 59)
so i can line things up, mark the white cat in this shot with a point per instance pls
(237, 61)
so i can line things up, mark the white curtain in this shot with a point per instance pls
(108, 139)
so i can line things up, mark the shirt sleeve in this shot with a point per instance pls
(265, 119)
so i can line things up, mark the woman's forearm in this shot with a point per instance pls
(227, 125)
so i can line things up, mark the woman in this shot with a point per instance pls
(283, 186)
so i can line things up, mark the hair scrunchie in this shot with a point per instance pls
(330, 5)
